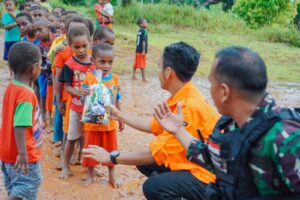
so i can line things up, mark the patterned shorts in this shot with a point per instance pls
(21, 185)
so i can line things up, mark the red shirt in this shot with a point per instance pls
(74, 72)
(20, 109)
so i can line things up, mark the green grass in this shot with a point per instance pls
(283, 61)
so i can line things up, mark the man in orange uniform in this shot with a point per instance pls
(171, 174)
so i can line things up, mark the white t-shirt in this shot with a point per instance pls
(108, 9)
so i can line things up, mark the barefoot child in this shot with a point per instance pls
(25, 24)
(20, 139)
(74, 72)
(12, 32)
(45, 82)
(141, 49)
(98, 134)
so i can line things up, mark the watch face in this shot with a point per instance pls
(115, 153)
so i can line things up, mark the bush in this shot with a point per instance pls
(213, 20)
(258, 13)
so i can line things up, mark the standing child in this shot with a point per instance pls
(20, 139)
(104, 12)
(25, 23)
(74, 72)
(45, 82)
(12, 32)
(141, 49)
(96, 134)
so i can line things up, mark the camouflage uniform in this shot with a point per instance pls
(274, 160)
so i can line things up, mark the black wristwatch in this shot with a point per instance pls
(113, 156)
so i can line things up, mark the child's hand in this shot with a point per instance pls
(121, 126)
(144, 52)
(84, 92)
(22, 164)
(62, 108)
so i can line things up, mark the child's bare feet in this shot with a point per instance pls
(115, 183)
(88, 180)
(65, 174)
(133, 78)
(99, 172)
(145, 80)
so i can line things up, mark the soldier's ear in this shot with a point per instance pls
(225, 92)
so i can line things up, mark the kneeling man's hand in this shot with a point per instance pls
(97, 153)
(169, 121)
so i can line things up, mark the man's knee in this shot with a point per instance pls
(150, 188)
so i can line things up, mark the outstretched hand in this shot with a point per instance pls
(114, 112)
(96, 153)
(169, 121)
(22, 164)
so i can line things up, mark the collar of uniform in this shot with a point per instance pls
(265, 105)
(173, 100)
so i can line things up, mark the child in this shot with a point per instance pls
(141, 49)
(103, 35)
(104, 12)
(45, 79)
(58, 11)
(74, 71)
(54, 21)
(12, 32)
(20, 139)
(25, 24)
(37, 12)
(97, 134)
(27, 5)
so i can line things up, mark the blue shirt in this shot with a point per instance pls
(13, 34)
(36, 41)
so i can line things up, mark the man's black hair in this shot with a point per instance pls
(103, 47)
(22, 57)
(26, 15)
(21, 7)
(242, 69)
(78, 19)
(77, 31)
(182, 58)
(101, 32)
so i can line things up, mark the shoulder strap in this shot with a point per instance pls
(255, 130)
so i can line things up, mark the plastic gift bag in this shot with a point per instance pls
(94, 110)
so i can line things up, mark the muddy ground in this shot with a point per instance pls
(138, 98)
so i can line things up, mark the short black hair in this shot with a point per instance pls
(102, 31)
(69, 12)
(61, 8)
(77, 31)
(12, 1)
(42, 22)
(91, 26)
(183, 59)
(45, 9)
(140, 20)
(26, 15)
(103, 47)
(35, 7)
(242, 69)
(22, 56)
(78, 19)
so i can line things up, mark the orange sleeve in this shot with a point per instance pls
(59, 60)
(156, 129)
